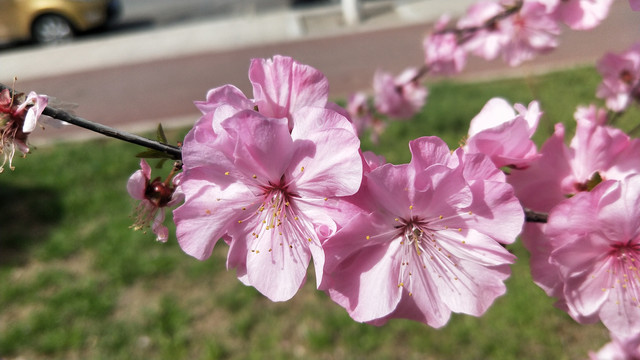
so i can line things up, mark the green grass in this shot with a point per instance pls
(76, 282)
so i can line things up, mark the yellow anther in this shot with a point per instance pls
(226, 173)
(410, 207)
(459, 229)
(302, 168)
(239, 221)
(401, 285)
(441, 217)
(208, 212)
(368, 237)
(255, 176)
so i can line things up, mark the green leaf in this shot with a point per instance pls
(160, 136)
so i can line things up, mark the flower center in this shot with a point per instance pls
(423, 251)
(624, 270)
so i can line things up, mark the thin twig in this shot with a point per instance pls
(173, 151)
(535, 217)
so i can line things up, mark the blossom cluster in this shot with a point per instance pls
(515, 30)
(281, 179)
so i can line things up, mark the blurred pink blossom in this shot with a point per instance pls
(620, 78)
(621, 347)
(400, 97)
(579, 14)
(359, 112)
(532, 31)
(490, 37)
(635, 5)
(443, 56)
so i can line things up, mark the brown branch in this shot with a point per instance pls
(173, 152)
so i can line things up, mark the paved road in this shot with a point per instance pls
(141, 95)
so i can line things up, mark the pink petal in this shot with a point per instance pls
(326, 162)
(262, 146)
(281, 86)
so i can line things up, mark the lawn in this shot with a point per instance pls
(77, 283)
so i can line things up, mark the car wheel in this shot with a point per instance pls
(50, 28)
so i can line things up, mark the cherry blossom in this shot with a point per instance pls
(359, 112)
(491, 36)
(154, 196)
(579, 14)
(400, 97)
(443, 56)
(504, 136)
(625, 347)
(421, 251)
(597, 152)
(595, 241)
(620, 78)
(532, 31)
(264, 189)
(17, 121)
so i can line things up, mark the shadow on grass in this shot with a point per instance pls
(28, 214)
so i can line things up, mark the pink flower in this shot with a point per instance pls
(490, 37)
(620, 78)
(504, 136)
(17, 121)
(579, 14)
(359, 112)
(443, 56)
(281, 87)
(429, 244)
(400, 97)
(624, 347)
(154, 196)
(532, 31)
(635, 5)
(595, 243)
(596, 153)
(265, 189)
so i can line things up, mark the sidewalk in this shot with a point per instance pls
(191, 38)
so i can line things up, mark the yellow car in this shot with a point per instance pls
(50, 21)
